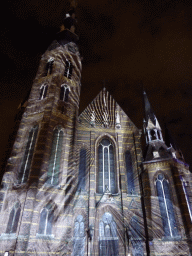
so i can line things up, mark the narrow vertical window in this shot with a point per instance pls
(54, 162)
(186, 190)
(166, 206)
(108, 240)
(28, 155)
(49, 66)
(13, 219)
(43, 92)
(68, 69)
(106, 166)
(46, 219)
(64, 93)
(82, 170)
(129, 170)
(79, 236)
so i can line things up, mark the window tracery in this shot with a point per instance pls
(108, 240)
(64, 93)
(106, 167)
(68, 69)
(79, 236)
(166, 206)
(46, 219)
(28, 155)
(13, 219)
(43, 91)
(55, 157)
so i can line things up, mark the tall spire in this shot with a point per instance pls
(151, 125)
(149, 113)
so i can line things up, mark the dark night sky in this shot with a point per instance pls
(129, 43)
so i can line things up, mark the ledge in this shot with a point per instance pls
(45, 237)
(5, 236)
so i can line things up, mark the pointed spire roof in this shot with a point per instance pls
(149, 113)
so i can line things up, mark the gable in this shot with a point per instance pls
(105, 112)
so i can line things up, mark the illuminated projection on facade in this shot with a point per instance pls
(79, 184)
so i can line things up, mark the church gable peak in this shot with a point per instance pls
(105, 112)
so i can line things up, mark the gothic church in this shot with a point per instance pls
(79, 184)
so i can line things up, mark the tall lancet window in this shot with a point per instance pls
(129, 170)
(108, 239)
(68, 69)
(187, 192)
(64, 92)
(49, 66)
(166, 207)
(54, 162)
(43, 91)
(13, 219)
(82, 169)
(79, 236)
(106, 166)
(46, 220)
(28, 155)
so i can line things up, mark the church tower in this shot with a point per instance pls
(166, 182)
(33, 193)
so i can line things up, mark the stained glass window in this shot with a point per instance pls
(54, 162)
(79, 236)
(13, 219)
(108, 240)
(166, 207)
(46, 219)
(28, 155)
(129, 170)
(106, 164)
(187, 192)
(82, 169)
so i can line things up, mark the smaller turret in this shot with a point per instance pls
(152, 128)
(155, 145)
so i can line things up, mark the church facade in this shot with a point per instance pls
(80, 184)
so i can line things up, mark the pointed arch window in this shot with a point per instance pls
(46, 220)
(28, 155)
(54, 162)
(13, 219)
(49, 66)
(187, 192)
(108, 240)
(166, 206)
(79, 236)
(129, 170)
(68, 69)
(64, 92)
(106, 167)
(43, 91)
(82, 169)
